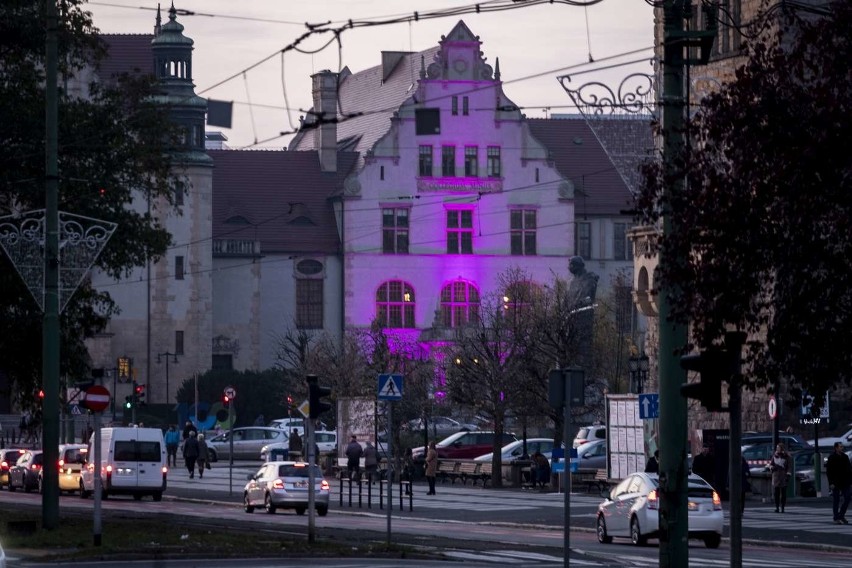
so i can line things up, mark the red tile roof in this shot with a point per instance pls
(283, 195)
(579, 154)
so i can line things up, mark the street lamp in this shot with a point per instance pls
(166, 355)
(638, 367)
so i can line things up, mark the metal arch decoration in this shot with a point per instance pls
(634, 95)
(81, 240)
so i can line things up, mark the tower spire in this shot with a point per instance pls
(159, 21)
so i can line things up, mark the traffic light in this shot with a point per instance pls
(315, 395)
(226, 401)
(714, 366)
(289, 400)
(128, 402)
(139, 391)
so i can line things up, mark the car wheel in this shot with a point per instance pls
(603, 538)
(322, 511)
(267, 504)
(636, 536)
(12, 488)
(27, 487)
(211, 455)
(713, 540)
(300, 510)
(247, 506)
(158, 496)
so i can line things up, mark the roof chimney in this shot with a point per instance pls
(325, 107)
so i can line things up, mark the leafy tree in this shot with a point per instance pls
(111, 150)
(762, 234)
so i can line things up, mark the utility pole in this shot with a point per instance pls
(50, 330)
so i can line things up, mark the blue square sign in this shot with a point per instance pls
(649, 406)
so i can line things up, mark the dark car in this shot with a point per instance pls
(792, 442)
(8, 458)
(24, 474)
(758, 455)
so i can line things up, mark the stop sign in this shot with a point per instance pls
(97, 398)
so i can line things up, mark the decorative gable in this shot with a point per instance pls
(459, 58)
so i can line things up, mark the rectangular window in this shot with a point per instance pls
(178, 343)
(471, 161)
(178, 268)
(523, 231)
(309, 302)
(455, 105)
(448, 161)
(427, 121)
(583, 240)
(494, 170)
(460, 231)
(425, 169)
(395, 230)
(465, 106)
(621, 249)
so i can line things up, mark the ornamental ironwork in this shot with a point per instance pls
(81, 240)
(634, 95)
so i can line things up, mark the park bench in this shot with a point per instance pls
(447, 470)
(467, 470)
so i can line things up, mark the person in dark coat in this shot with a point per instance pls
(746, 485)
(190, 453)
(780, 464)
(189, 427)
(838, 468)
(704, 465)
(653, 465)
(354, 451)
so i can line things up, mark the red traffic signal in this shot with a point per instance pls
(226, 401)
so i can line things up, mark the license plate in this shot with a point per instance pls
(300, 484)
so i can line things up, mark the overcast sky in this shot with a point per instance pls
(230, 37)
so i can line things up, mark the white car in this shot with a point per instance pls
(588, 434)
(326, 441)
(828, 443)
(514, 450)
(632, 510)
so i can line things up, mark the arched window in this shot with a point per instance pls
(395, 304)
(459, 303)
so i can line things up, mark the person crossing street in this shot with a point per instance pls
(838, 469)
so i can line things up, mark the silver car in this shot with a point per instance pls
(284, 485)
(248, 442)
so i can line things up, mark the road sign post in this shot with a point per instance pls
(389, 389)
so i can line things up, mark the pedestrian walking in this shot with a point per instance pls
(780, 467)
(172, 439)
(188, 427)
(704, 465)
(371, 462)
(745, 488)
(838, 468)
(294, 445)
(542, 470)
(203, 455)
(408, 469)
(190, 452)
(354, 451)
(653, 465)
(431, 467)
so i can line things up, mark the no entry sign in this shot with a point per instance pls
(97, 398)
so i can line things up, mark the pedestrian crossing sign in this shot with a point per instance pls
(390, 387)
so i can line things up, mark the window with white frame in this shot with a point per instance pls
(583, 240)
(460, 231)
(494, 167)
(621, 249)
(522, 228)
(455, 105)
(459, 304)
(395, 304)
(471, 161)
(395, 230)
(309, 303)
(465, 106)
(425, 161)
(448, 161)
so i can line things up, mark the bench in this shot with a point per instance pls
(467, 470)
(447, 470)
(485, 471)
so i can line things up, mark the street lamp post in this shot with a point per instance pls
(638, 367)
(166, 355)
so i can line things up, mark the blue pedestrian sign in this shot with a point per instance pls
(649, 406)
(390, 387)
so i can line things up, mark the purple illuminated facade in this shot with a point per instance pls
(453, 192)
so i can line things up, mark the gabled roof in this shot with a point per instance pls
(284, 197)
(366, 92)
(601, 179)
(127, 53)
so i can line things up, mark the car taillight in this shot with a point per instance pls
(717, 502)
(35, 467)
(278, 484)
(165, 469)
(653, 500)
(61, 464)
(109, 469)
(325, 486)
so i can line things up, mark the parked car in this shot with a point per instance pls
(24, 474)
(439, 426)
(592, 455)
(463, 445)
(248, 442)
(632, 511)
(326, 441)
(8, 458)
(829, 441)
(284, 485)
(589, 434)
(514, 450)
(294, 423)
(791, 441)
(757, 456)
(71, 460)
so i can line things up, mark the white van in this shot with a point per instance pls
(133, 462)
